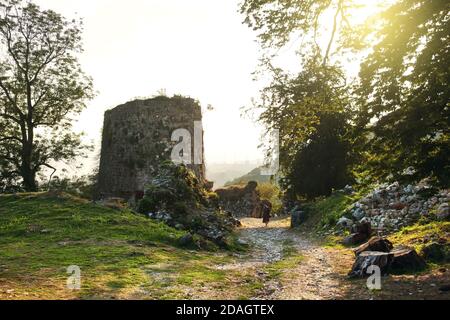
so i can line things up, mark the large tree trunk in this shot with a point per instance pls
(406, 259)
(27, 170)
(29, 179)
(368, 258)
(374, 244)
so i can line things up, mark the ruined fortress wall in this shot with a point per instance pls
(241, 201)
(137, 138)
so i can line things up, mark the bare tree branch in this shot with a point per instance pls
(333, 32)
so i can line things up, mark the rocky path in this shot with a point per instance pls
(283, 264)
(304, 269)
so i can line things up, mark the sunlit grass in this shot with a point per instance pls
(121, 254)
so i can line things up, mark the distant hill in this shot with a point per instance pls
(223, 173)
(254, 175)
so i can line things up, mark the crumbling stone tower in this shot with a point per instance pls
(137, 138)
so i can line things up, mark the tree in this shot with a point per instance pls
(401, 96)
(324, 162)
(404, 91)
(296, 105)
(41, 88)
(279, 21)
(311, 112)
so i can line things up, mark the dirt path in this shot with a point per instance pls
(290, 266)
(302, 269)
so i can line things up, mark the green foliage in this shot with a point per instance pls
(83, 187)
(41, 88)
(271, 192)
(174, 188)
(278, 21)
(329, 210)
(413, 235)
(213, 198)
(397, 109)
(404, 85)
(311, 113)
(324, 162)
(71, 218)
(176, 193)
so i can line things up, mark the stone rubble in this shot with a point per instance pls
(390, 207)
(177, 198)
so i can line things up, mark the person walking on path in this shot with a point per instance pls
(266, 210)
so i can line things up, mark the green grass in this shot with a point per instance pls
(324, 213)
(121, 254)
(414, 235)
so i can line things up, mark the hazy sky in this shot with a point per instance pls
(197, 48)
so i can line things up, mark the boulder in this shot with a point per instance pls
(406, 259)
(358, 214)
(345, 222)
(186, 240)
(355, 239)
(436, 252)
(242, 242)
(348, 190)
(445, 288)
(364, 228)
(368, 258)
(179, 226)
(297, 218)
(374, 244)
(443, 212)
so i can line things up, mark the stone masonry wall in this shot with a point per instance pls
(241, 201)
(137, 138)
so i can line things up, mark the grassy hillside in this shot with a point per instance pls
(121, 254)
(254, 175)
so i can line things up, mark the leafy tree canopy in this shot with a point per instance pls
(404, 90)
(41, 88)
(398, 105)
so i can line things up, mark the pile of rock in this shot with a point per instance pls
(381, 253)
(210, 224)
(360, 233)
(177, 198)
(390, 207)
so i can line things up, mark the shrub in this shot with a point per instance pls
(271, 192)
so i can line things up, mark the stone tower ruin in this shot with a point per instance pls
(137, 138)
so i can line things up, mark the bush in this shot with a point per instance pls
(271, 192)
(146, 205)
(174, 188)
(83, 187)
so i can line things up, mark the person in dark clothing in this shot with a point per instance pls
(266, 210)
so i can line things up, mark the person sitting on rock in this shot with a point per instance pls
(266, 210)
